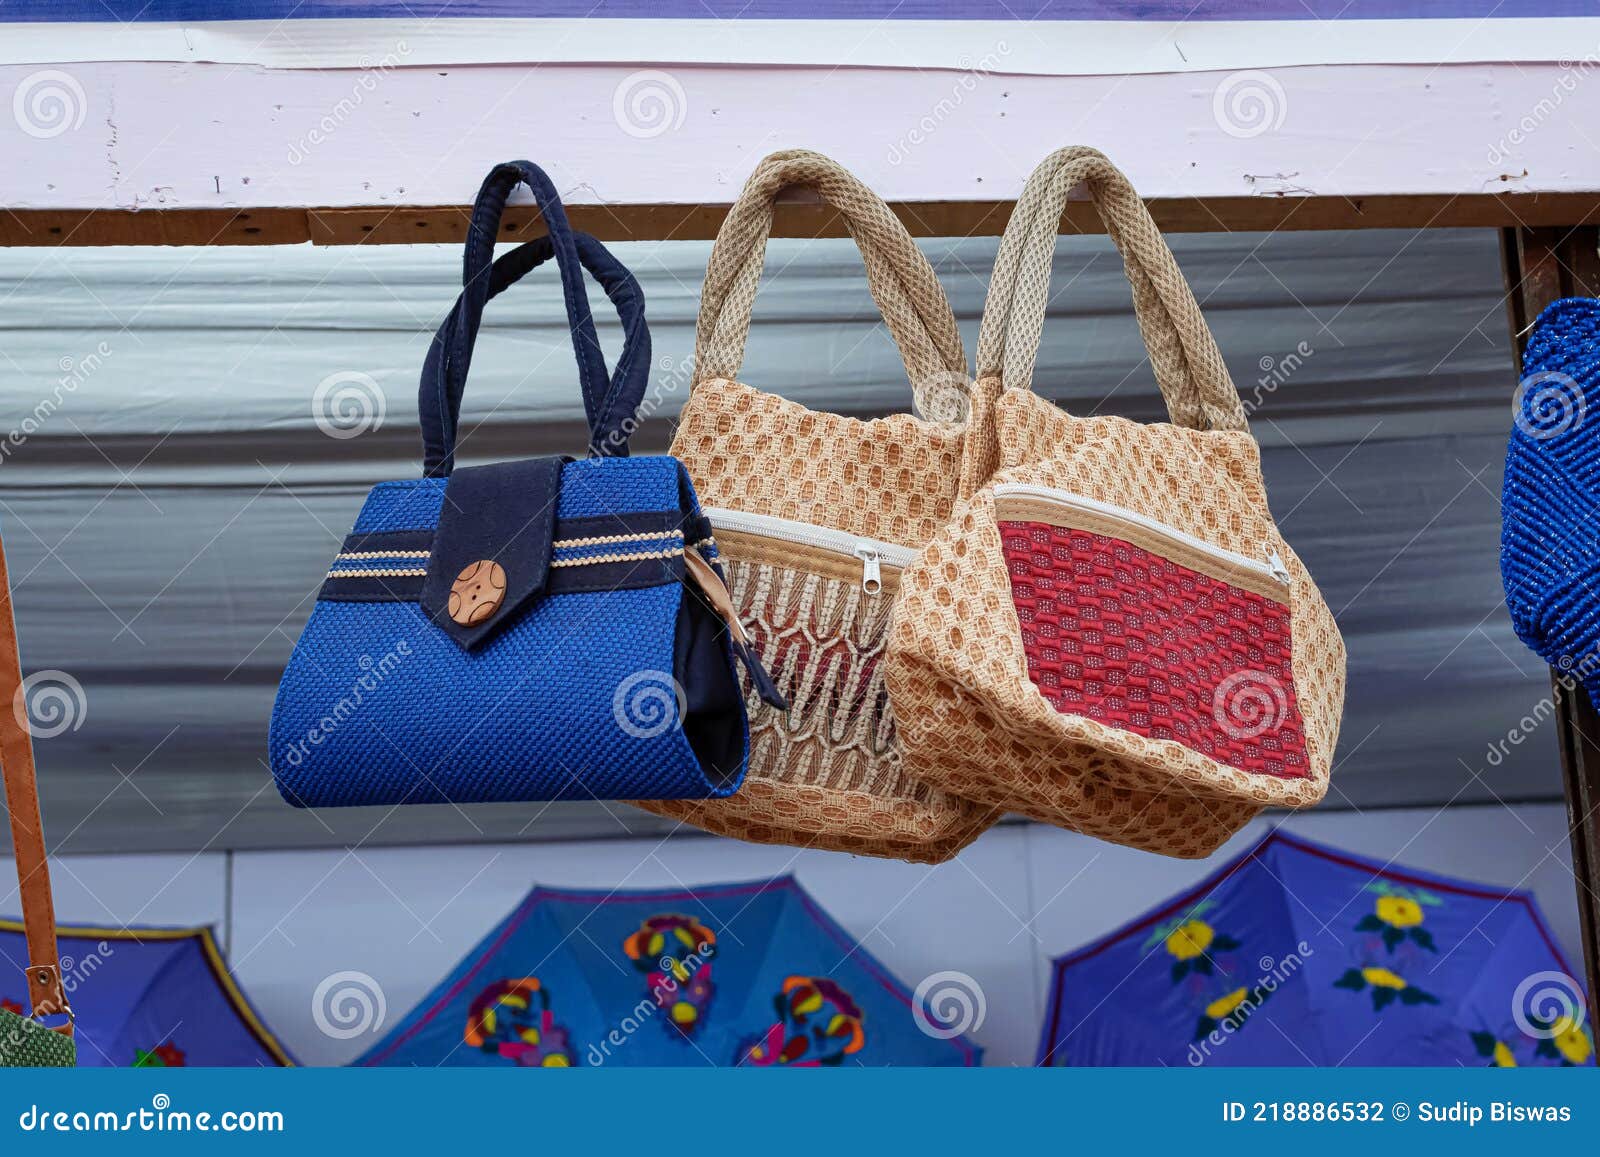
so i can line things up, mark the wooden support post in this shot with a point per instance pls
(1541, 265)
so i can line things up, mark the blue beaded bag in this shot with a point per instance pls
(543, 629)
(1550, 500)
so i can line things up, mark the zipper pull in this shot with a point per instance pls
(1275, 565)
(705, 577)
(710, 584)
(871, 567)
(766, 690)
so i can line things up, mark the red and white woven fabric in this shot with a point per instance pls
(1111, 634)
(1131, 639)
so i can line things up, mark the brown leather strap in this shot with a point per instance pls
(45, 992)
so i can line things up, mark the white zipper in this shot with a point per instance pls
(1269, 563)
(874, 554)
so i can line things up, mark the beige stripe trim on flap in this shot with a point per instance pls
(361, 574)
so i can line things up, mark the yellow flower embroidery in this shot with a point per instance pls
(1388, 988)
(1382, 978)
(1399, 911)
(1190, 939)
(1572, 1042)
(1220, 1008)
(1397, 916)
(1495, 1051)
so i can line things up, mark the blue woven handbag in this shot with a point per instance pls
(1550, 501)
(542, 629)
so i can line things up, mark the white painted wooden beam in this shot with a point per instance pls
(210, 136)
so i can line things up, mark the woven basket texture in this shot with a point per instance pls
(829, 773)
(378, 706)
(1550, 501)
(971, 720)
(27, 1044)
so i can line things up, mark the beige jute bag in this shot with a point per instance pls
(816, 515)
(1111, 634)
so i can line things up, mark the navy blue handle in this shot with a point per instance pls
(610, 400)
(609, 435)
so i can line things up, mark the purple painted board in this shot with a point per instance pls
(147, 11)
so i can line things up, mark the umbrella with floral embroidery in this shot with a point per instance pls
(1296, 953)
(147, 997)
(754, 974)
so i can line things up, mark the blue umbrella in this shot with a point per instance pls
(1301, 954)
(149, 997)
(732, 974)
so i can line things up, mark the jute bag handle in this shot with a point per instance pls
(46, 995)
(1188, 366)
(902, 280)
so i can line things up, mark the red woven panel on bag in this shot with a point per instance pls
(1132, 640)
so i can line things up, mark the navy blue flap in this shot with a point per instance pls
(495, 528)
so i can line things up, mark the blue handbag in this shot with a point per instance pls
(1550, 500)
(543, 629)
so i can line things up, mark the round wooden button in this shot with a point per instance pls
(477, 592)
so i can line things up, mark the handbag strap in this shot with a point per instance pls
(46, 996)
(902, 280)
(1188, 366)
(609, 401)
(610, 436)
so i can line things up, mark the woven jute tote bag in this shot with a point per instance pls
(815, 517)
(25, 1041)
(1111, 634)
